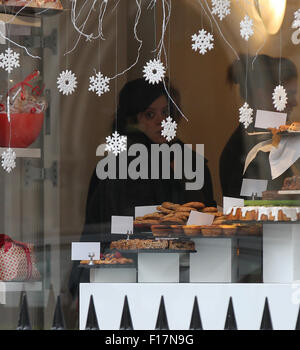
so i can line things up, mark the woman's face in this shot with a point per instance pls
(149, 121)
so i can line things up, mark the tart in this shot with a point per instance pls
(192, 230)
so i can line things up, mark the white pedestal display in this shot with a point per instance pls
(158, 267)
(107, 275)
(281, 253)
(215, 260)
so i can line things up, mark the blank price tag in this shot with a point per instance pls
(267, 119)
(141, 211)
(199, 219)
(122, 224)
(229, 202)
(253, 187)
(82, 250)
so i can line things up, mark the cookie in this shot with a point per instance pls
(196, 205)
(209, 210)
(153, 216)
(169, 205)
(164, 210)
(185, 209)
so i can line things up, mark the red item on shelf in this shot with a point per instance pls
(25, 129)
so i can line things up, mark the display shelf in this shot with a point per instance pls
(7, 287)
(107, 266)
(136, 251)
(25, 152)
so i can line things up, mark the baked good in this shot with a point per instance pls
(295, 126)
(179, 244)
(196, 205)
(161, 230)
(152, 216)
(211, 230)
(164, 210)
(145, 222)
(170, 206)
(209, 210)
(229, 230)
(181, 208)
(172, 220)
(110, 259)
(135, 244)
(192, 230)
(291, 183)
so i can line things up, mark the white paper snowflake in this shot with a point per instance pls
(296, 22)
(66, 82)
(154, 71)
(246, 115)
(116, 143)
(279, 98)
(246, 27)
(221, 8)
(169, 129)
(202, 41)
(99, 84)
(8, 160)
(9, 60)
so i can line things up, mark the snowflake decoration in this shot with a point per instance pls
(221, 8)
(8, 160)
(246, 27)
(154, 71)
(67, 82)
(169, 129)
(296, 22)
(202, 41)
(9, 60)
(116, 143)
(279, 98)
(246, 115)
(99, 84)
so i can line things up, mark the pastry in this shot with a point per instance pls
(154, 216)
(295, 126)
(161, 230)
(172, 220)
(196, 205)
(192, 230)
(169, 205)
(146, 222)
(164, 210)
(229, 230)
(291, 183)
(181, 245)
(209, 210)
(181, 208)
(211, 230)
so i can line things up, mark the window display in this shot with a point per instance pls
(164, 134)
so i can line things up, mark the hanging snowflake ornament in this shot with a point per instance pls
(246, 28)
(66, 82)
(8, 160)
(168, 129)
(296, 22)
(203, 41)
(154, 71)
(246, 115)
(279, 98)
(221, 8)
(9, 60)
(99, 84)
(116, 143)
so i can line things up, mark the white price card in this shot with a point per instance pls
(144, 210)
(82, 250)
(229, 202)
(254, 187)
(122, 224)
(268, 119)
(199, 219)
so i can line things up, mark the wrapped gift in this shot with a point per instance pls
(17, 260)
(44, 4)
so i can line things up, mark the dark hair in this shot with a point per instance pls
(137, 95)
(263, 72)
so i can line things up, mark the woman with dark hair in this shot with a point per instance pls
(142, 108)
(257, 89)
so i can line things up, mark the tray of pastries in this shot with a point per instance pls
(109, 260)
(153, 245)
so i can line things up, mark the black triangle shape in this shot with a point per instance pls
(24, 321)
(126, 322)
(196, 323)
(230, 323)
(266, 322)
(297, 328)
(162, 321)
(92, 322)
(58, 319)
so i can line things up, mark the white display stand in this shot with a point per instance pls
(215, 260)
(111, 275)
(213, 299)
(158, 267)
(281, 253)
